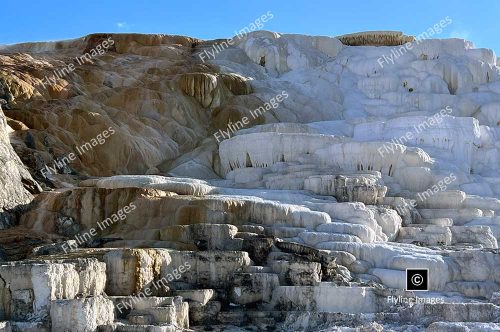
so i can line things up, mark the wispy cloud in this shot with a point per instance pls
(123, 25)
(462, 34)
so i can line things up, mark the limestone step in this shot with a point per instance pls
(475, 289)
(160, 315)
(204, 236)
(53, 248)
(459, 216)
(201, 296)
(323, 321)
(474, 234)
(391, 278)
(144, 302)
(95, 311)
(430, 226)
(430, 235)
(207, 269)
(347, 188)
(362, 232)
(257, 269)
(176, 314)
(451, 312)
(341, 257)
(253, 287)
(313, 239)
(297, 273)
(252, 320)
(246, 235)
(63, 280)
(251, 229)
(125, 326)
(140, 319)
(168, 310)
(436, 221)
(463, 326)
(150, 244)
(326, 297)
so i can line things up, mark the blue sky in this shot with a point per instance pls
(54, 20)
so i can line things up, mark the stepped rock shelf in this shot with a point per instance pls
(284, 184)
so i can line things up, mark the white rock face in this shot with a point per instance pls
(16, 182)
(81, 315)
(33, 287)
(177, 185)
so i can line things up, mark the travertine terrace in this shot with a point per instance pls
(286, 184)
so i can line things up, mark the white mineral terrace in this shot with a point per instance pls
(305, 219)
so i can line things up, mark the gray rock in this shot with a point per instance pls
(16, 182)
(253, 287)
(200, 313)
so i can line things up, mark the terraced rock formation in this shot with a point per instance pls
(278, 182)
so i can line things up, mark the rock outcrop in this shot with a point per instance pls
(16, 182)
